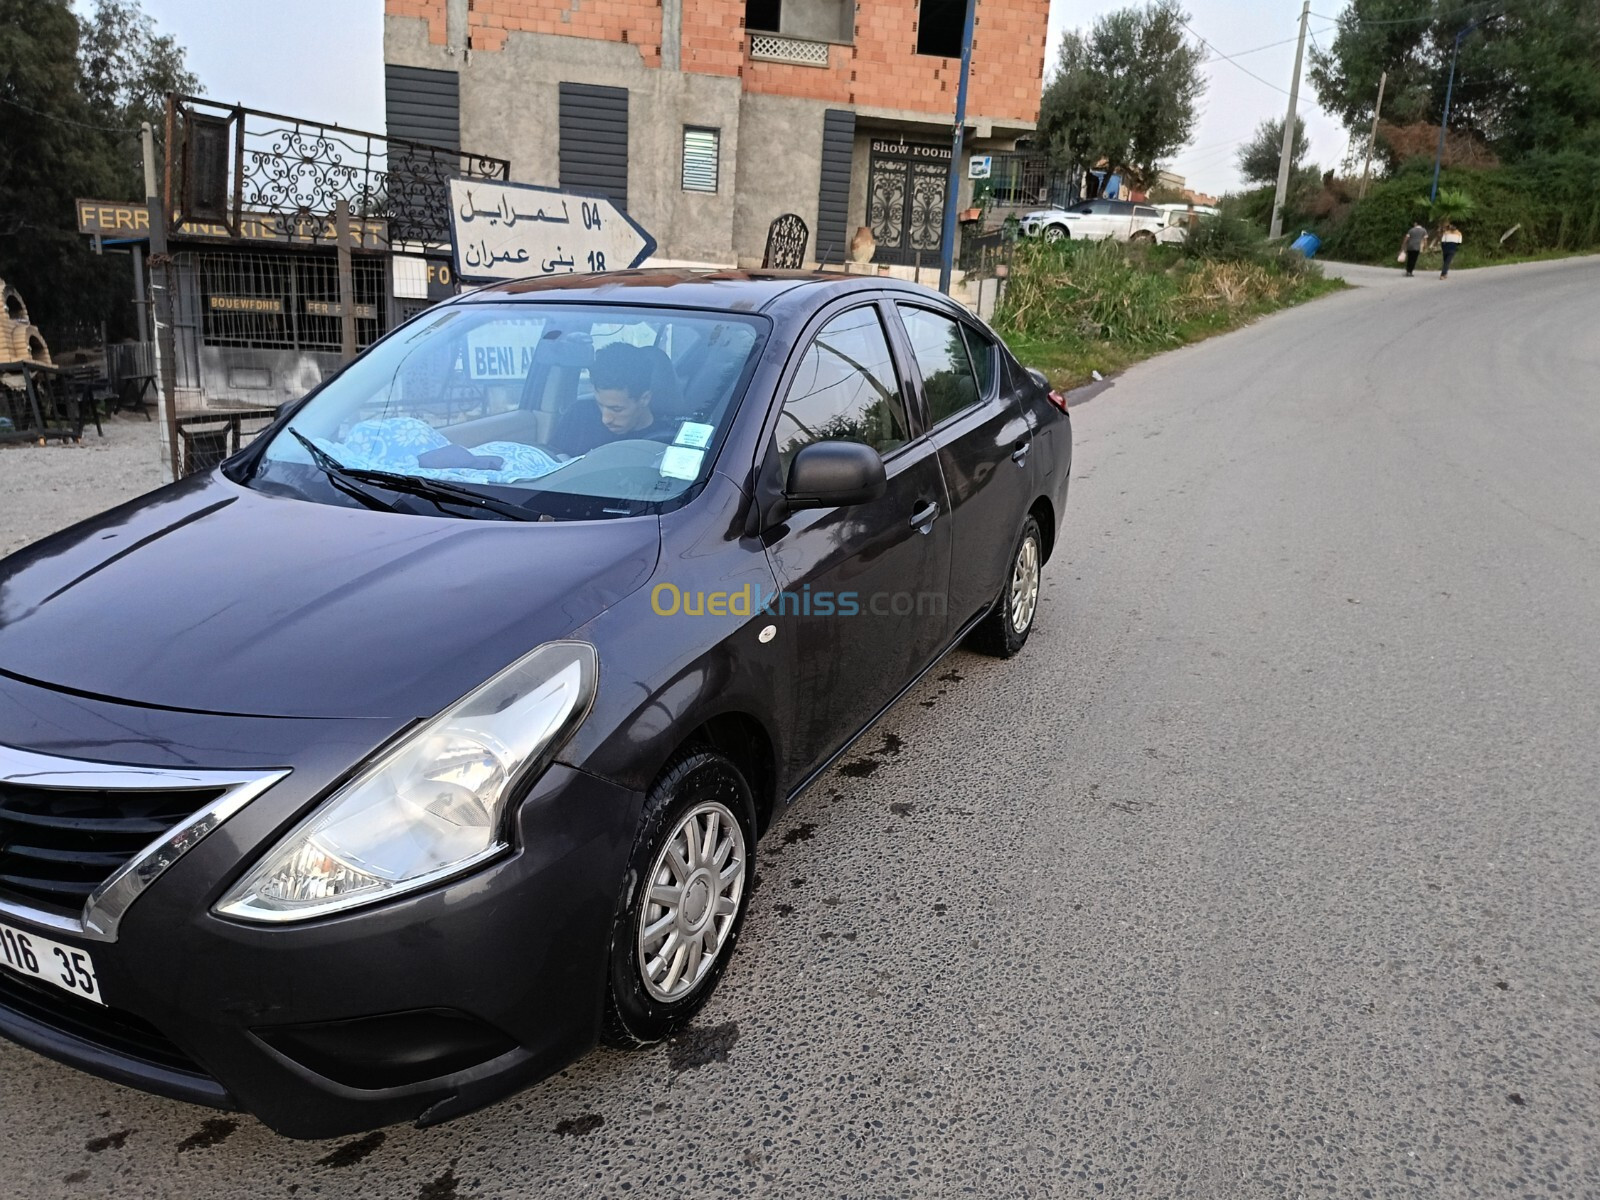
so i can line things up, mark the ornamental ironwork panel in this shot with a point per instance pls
(905, 200)
(786, 244)
(886, 203)
(287, 175)
(927, 206)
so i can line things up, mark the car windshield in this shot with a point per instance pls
(536, 410)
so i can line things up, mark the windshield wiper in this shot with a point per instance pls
(338, 477)
(437, 491)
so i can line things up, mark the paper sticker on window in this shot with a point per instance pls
(691, 433)
(681, 462)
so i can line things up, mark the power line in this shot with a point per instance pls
(1241, 66)
(1258, 49)
(1427, 19)
(44, 116)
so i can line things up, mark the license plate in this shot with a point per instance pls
(68, 968)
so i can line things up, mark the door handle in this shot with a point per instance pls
(923, 518)
(1021, 452)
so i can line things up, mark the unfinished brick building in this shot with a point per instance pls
(707, 119)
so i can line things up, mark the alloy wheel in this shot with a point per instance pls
(1025, 585)
(694, 890)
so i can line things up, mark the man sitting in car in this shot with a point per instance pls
(627, 381)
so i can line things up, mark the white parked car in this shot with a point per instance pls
(1096, 220)
(1175, 220)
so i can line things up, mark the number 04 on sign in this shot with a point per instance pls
(512, 230)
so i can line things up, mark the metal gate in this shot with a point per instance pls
(905, 200)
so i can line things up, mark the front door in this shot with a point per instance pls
(862, 608)
(905, 201)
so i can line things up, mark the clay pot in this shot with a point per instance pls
(863, 246)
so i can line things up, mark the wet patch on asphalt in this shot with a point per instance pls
(211, 1133)
(349, 1154)
(111, 1141)
(699, 1045)
(579, 1126)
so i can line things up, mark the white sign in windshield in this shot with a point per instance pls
(502, 349)
(513, 230)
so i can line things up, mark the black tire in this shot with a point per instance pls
(1143, 238)
(1055, 233)
(695, 779)
(1001, 634)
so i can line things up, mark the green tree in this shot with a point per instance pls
(1258, 158)
(72, 93)
(1526, 78)
(1125, 93)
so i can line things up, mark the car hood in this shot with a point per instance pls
(209, 597)
(1039, 214)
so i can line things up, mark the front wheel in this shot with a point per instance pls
(1004, 631)
(684, 901)
(1055, 233)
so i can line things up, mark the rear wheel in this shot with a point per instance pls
(1004, 631)
(1143, 238)
(685, 899)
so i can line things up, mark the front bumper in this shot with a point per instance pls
(419, 1009)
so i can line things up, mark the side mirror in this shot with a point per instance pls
(831, 474)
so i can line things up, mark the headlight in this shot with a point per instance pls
(432, 806)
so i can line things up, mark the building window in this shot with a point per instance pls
(700, 159)
(763, 15)
(939, 25)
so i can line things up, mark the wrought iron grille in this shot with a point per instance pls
(284, 301)
(285, 177)
(786, 243)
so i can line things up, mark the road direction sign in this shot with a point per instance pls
(513, 230)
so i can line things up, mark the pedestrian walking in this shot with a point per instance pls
(1449, 243)
(1411, 246)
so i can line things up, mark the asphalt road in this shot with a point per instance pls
(1271, 867)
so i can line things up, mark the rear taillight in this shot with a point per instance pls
(1058, 400)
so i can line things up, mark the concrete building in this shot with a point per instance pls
(707, 119)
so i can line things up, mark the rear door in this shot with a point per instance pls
(862, 608)
(984, 445)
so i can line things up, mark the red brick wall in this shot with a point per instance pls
(431, 11)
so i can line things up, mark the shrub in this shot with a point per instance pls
(1225, 239)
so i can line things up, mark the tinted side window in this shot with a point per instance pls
(941, 355)
(846, 389)
(983, 358)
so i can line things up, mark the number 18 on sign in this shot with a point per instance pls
(512, 231)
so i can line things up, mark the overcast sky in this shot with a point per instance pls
(323, 59)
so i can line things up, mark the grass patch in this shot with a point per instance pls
(1073, 308)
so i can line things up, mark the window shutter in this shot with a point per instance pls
(700, 159)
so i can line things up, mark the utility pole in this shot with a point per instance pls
(1444, 123)
(1286, 155)
(952, 187)
(1372, 141)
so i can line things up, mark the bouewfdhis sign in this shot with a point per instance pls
(512, 230)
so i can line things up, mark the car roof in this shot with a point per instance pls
(679, 287)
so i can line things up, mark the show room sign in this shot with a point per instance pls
(513, 230)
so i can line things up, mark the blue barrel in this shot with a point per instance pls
(1307, 243)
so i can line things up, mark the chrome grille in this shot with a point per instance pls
(80, 840)
(57, 846)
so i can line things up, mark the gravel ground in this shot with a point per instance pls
(46, 488)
